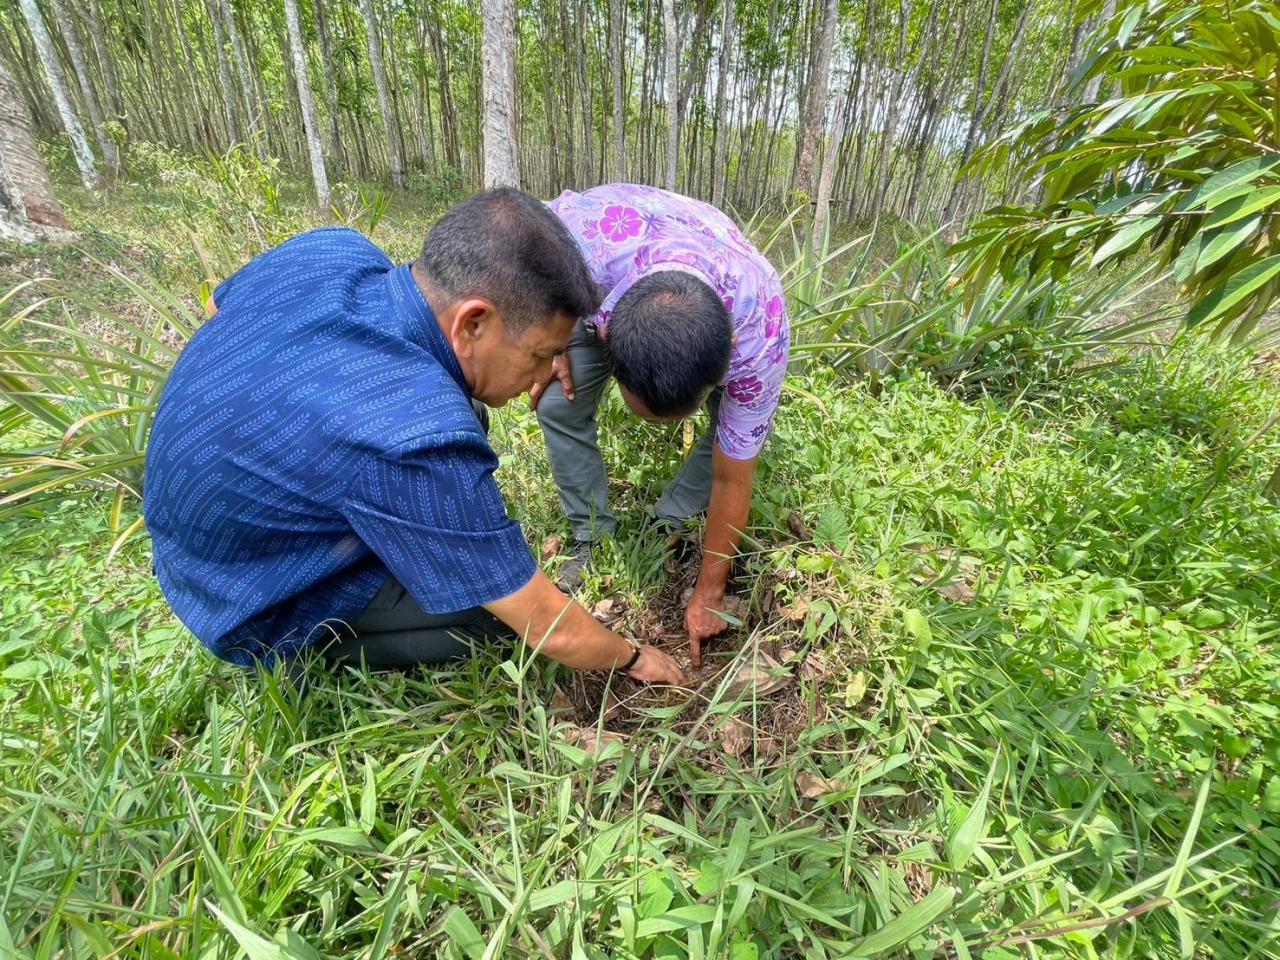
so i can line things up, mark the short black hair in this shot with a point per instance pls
(670, 339)
(509, 248)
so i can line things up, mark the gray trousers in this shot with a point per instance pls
(569, 427)
(394, 633)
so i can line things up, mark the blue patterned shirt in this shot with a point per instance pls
(314, 436)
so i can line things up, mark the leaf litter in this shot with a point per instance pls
(737, 699)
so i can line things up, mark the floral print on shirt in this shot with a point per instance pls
(626, 231)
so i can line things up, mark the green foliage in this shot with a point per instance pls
(876, 309)
(1183, 156)
(82, 381)
(1082, 758)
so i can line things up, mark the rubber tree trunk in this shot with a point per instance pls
(815, 111)
(26, 195)
(384, 98)
(224, 73)
(827, 176)
(670, 88)
(338, 155)
(305, 101)
(85, 80)
(721, 133)
(58, 87)
(501, 168)
(619, 102)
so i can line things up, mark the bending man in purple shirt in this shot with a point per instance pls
(692, 314)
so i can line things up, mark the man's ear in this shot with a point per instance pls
(471, 320)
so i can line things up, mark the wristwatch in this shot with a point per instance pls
(638, 649)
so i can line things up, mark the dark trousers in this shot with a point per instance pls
(394, 633)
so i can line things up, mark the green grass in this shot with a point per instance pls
(1033, 713)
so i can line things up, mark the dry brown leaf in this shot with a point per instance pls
(733, 605)
(797, 611)
(612, 706)
(758, 678)
(812, 668)
(958, 591)
(735, 737)
(799, 529)
(607, 610)
(560, 703)
(592, 740)
(812, 786)
(551, 545)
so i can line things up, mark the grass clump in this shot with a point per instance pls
(1013, 692)
(1032, 699)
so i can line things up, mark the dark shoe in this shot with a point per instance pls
(576, 566)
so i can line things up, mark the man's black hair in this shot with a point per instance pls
(510, 249)
(670, 338)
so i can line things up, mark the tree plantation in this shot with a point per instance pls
(915, 593)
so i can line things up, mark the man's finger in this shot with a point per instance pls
(566, 382)
(695, 652)
(535, 394)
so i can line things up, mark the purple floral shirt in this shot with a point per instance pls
(627, 230)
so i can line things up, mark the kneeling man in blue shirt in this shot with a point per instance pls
(317, 474)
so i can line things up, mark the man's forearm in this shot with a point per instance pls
(556, 626)
(731, 485)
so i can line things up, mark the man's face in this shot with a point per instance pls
(500, 366)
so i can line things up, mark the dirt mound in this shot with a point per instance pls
(746, 693)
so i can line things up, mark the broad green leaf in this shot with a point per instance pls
(1232, 291)
(681, 918)
(254, 944)
(1243, 206)
(464, 933)
(1126, 237)
(965, 837)
(1246, 171)
(918, 627)
(1223, 242)
(910, 923)
(553, 895)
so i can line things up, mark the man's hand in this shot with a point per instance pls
(701, 621)
(656, 666)
(560, 370)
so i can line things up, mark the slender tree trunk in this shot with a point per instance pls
(27, 201)
(307, 104)
(330, 85)
(670, 84)
(584, 95)
(816, 103)
(85, 80)
(102, 53)
(720, 133)
(58, 88)
(498, 81)
(244, 74)
(975, 113)
(384, 98)
(826, 176)
(224, 73)
(448, 111)
(619, 103)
